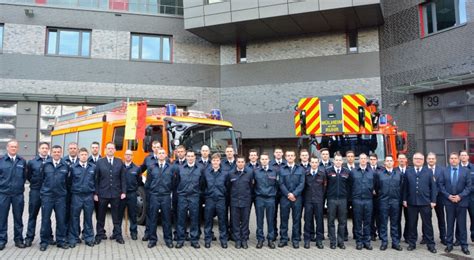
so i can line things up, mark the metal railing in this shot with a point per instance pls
(122, 6)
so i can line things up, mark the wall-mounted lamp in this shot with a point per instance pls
(29, 12)
(27, 109)
(403, 103)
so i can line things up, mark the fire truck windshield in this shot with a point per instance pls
(216, 137)
(358, 143)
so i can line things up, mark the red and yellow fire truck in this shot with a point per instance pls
(348, 122)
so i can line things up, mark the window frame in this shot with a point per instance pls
(423, 13)
(349, 34)
(2, 29)
(140, 47)
(58, 42)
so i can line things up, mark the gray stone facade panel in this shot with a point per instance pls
(106, 44)
(24, 39)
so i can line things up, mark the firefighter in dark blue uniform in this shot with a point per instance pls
(350, 165)
(253, 160)
(180, 161)
(150, 160)
(375, 210)
(34, 202)
(464, 162)
(266, 187)
(53, 192)
(159, 185)
(111, 188)
(12, 187)
(439, 209)
(338, 190)
(455, 184)
(215, 186)
(82, 183)
(204, 162)
(70, 160)
(276, 164)
(292, 179)
(228, 165)
(419, 195)
(388, 185)
(325, 161)
(95, 153)
(189, 183)
(241, 193)
(133, 179)
(304, 160)
(314, 194)
(362, 190)
(402, 168)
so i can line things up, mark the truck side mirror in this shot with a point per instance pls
(361, 113)
(401, 142)
(147, 141)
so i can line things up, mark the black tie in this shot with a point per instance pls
(56, 165)
(338, 171)
(110, 161)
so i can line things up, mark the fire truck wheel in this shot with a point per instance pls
(141, 206)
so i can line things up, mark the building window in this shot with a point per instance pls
(8, 114)
(439, 15)
(69, 42)
(1, 37)
(242, 52)
(214, 1)
(151, 47)
(352, 43)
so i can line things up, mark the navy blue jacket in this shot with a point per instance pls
(241, 188)
(110, 180)
(203, 165)
(437, 174)
(315, 186)
(338, 186)
(388, 186)
(55, 179)
(91, 159)
(462, 188)
(273, 164)
(292, 181)
(362, 183)
(161, 182)
(227, 166)
(329, 164)
(189, 180)
(68, 161)
(266, 182)
(147, 162)
(82, 180)
(133, 177)
(470, 169)
(216, 183)
(421, 189)
(251, 167)
(34, 172)
(306, 168)
(12, 175)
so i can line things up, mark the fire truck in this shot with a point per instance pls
(347, 122)
(169, 125)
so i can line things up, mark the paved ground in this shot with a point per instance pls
(138, 249)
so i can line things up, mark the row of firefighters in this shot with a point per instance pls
(378, 196)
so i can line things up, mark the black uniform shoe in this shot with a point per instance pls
(457, 243)
(282, 244)
(319, 245)
(341, 246)
(448, 249)
(271, 244)
(134, 236)
(245, 245)
(432, 250)
(42, 248)
(296, 245)
(224, 245)
(20, 244)
(332, 246)
(214, 237)
(151, 244)
(72, 245)
(465, 251)
(2, 246)
(52, 243)
(346, 239)
(306, 245)
(411, 248)
(397, 247)
(196, 245)
(443, 242)
(383, 247)
(238, 245)
(313, 239)
(28, 242)
(98, 241)
(369, 247)
(91, 244)
(145, 238)
(423, 242)
(64, 246)
(207, 245)
(179, 245)
(259, 244)
(169, 244)
(374, 238)
(359, 246)
(120, 241)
